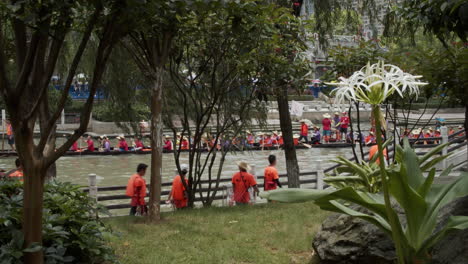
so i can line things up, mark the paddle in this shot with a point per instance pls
(306, 145)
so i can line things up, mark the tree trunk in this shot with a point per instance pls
(465, 168)
(156, 147)
(32, 210)
(292, 167)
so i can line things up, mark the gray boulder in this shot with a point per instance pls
(346, 240)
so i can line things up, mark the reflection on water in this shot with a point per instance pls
(115, 170)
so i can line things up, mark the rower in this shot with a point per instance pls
(16, 173)
(89, 141)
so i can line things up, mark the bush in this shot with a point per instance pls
(71, 232)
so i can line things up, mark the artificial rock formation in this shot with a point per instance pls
(348, 240)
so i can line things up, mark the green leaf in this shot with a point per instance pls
(34, 247)
(454, 223)
(411, 163)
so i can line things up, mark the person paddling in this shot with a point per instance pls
(271, 175)
(242, 181)
(136, 190)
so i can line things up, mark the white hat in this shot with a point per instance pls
(326, 115)
(243, 165)
(303, 120)
(184, 167)
(296, 136)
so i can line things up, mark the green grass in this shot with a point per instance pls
(272, 233)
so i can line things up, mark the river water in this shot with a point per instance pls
(115, 170)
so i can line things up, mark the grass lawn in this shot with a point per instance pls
(270, 233)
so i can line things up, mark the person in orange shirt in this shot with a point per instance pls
(271, 175)
(18, 172)
(178, 195)
(374, 150)
(242, 181)
(136, 189)
(304, 131)
(10, 136)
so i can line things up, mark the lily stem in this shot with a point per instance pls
(392, 217)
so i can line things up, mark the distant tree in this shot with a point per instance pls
(32, 34)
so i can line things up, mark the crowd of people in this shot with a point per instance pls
(244, 186)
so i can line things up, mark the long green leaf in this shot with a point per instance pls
(440, 195)
(432, 152)
(412, 203)
(425, 187)
(433, 162)
(360, 198)
(294, 195)
(411, 163)
(377, 220)
(454, 223)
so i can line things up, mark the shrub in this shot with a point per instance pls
(71, 232)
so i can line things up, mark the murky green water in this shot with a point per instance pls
(115, 170)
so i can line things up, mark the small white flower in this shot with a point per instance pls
(373, 84)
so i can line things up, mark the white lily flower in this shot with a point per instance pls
(373, 84)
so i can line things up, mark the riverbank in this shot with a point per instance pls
(270, 233)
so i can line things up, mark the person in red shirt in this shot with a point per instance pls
(185, 143)
(370, 139)
(250, 139)
(242, 181)
(344, 121)
(89, 141)
(326, 123)
(304, 131)
(138, 144)
(168, 145)
(296, 139)
(74, 147)
(271, 175)
(178, 195)
(123, 145)
(280, 139)
(451, 131)
(136, 189)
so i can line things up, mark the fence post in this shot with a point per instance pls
(3, 128)
(319, 184)
(93, 191)
(63, 117)
(253, 197)
(444, 135)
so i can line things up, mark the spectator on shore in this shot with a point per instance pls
(178, 195)
(326, 126)
(271, 175)
(136, 189)
(10, 135)
(242, 181)
(304, 131)
(344, 123)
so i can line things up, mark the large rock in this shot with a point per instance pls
(348, 240)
